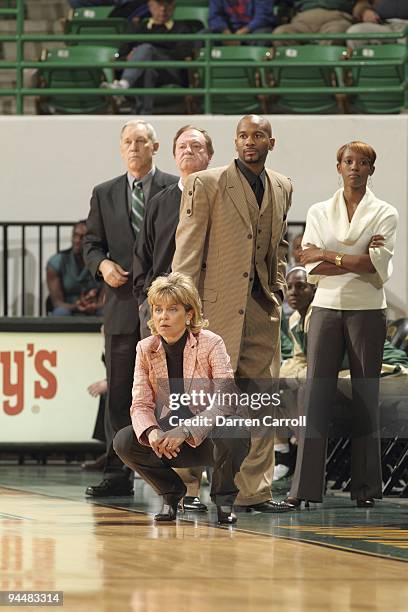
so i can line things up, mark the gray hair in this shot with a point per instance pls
(151, 132)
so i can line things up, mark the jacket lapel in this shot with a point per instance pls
(189, 361)
(119, 200)
(157, 183)
(236, 193)
(159, 366)
(276, 197)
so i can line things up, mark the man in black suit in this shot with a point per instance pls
(155, 244)
(115, 218)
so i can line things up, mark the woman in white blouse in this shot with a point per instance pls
(347, 250)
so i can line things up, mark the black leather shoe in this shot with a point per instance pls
(168, 513)
(110, 487)
(270, 506)
(225, 515)
(194, 504)
(295, 503)
(365, 503)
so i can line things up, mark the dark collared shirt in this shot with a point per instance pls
(257, 182)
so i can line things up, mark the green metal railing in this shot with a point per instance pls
(205, 64)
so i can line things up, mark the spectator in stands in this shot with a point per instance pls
(380, 16)
(241, 17)
(161, 22)
(72, 288)
(320, 17)
(347, 250)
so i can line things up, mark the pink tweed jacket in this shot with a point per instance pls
(205, 358)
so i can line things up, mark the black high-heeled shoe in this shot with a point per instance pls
(193, 504)
(365, 503)
(168, 513)
(296, 503)
(225, 515)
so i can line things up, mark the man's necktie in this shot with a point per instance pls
(258, 190)
(138, 206)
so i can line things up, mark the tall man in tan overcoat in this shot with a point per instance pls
(231, 241)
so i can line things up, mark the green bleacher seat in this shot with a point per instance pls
(233, 104)
(92, 12)
(79, 78)
(379, 76)
(94, 20)
(192, 13)
(308, 76)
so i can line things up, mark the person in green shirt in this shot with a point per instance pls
(72, 288)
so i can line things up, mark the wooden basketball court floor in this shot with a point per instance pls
(109, 555)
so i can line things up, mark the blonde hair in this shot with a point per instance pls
(177, 288)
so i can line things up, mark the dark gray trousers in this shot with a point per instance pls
(225, 454)
(120, 355)
(332, 333)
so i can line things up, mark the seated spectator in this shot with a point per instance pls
(320, 17)
(161, 22)
(241, 17)
(72, 288)
(380, 16)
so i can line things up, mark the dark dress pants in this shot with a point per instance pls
(120, 355)
(225, 454)
(360, 333)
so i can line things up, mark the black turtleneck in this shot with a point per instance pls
(174, 358)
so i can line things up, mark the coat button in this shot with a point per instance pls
(190, 193)
(249, 236)
(240, 311)
(245, 275)
(188, 211)
(203, 266)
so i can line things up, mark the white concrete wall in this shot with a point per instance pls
(49, 164)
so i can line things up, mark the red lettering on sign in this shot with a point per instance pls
(13, 389)
(50, 389)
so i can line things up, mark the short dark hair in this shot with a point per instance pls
(263, 122)
(206, 135)
(358, 147)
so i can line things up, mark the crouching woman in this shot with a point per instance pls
(180, 358)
